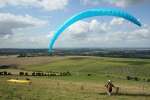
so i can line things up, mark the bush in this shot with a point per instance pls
(53, 74)
(9, 73)
(1, 73)
(68, 74)
(65, 74)
(4, 73)
(148, 80)
(132, 78)
(21, 73)
(26, 74)
(27, 79)
(128, 78)
(136, 79)
(33, 74)
(38, 74)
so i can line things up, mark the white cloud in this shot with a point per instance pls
(53, 4)
(117, 21)
(100, 34)
(79, 27)
(9, 23)
(82, 29)
(25, 40)
(120, 3)
(143, 33)
(44, 4)
(84, 34)
(98, 27)
(124, 3)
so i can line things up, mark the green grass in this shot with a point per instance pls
(113, 66)
(58, 89)
(79, 86)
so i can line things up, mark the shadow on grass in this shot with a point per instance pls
(128, 94)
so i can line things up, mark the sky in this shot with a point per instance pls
(32, 23)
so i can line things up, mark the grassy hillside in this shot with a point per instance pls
(79, 86)
(55, 89)
(96, 65)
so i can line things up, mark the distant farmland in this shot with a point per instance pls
(83, 64)
(100, 52)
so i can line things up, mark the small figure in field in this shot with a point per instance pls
(109, 86)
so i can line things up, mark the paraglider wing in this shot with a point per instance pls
(91, 13)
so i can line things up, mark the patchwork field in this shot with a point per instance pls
(89, 75)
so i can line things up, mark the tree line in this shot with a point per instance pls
(5, 73)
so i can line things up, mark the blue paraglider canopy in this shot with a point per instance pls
(90, 13)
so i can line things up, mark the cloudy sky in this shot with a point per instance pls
(32, 23)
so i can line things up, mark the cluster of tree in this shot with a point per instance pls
(51, 74)
(106, 52)
(38, 73)
(45, 74)
(31, 54)
(23, 73)
(5, 73)
(23, 52)
(136, 78)
(6, 66)
(132, 78)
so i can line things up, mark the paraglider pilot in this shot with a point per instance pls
(109, 86)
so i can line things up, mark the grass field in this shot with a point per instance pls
(79, 86)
